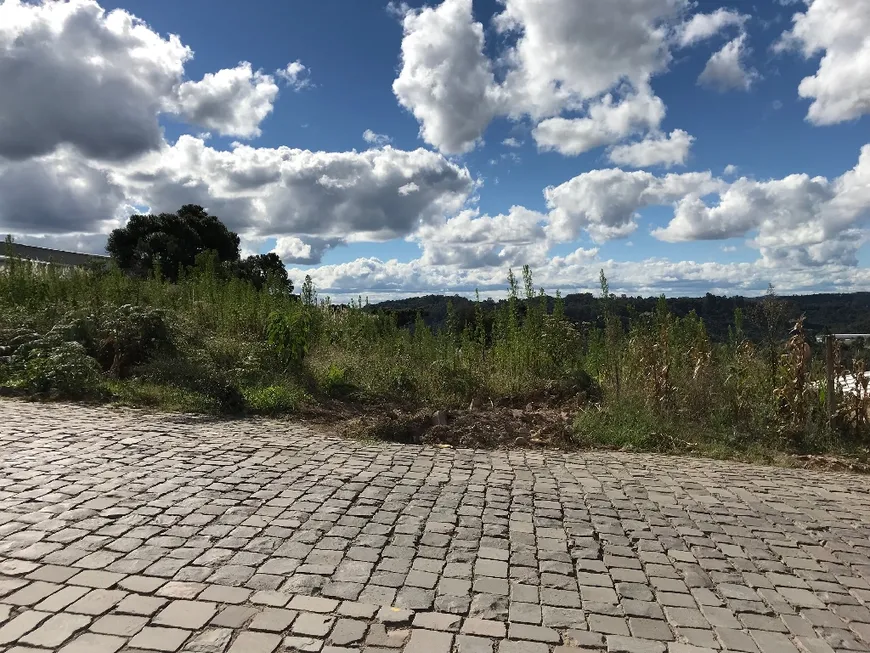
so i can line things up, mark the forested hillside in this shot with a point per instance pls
(838, 313)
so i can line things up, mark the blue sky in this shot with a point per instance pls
(368, 66)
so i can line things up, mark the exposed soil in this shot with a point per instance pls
(505, 423)
(832, 463)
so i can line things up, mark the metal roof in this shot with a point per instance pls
(47, 255)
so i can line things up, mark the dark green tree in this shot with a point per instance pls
(263, 269)
(171, 241)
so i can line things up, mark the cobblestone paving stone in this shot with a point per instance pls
(124, 531)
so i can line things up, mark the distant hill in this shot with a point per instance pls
(837, 313)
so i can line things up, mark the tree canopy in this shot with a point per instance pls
(171, 241)
(262, 268)
(176, 241)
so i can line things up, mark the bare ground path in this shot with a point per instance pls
(123, 531)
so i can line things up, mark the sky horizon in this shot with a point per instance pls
(391, 149)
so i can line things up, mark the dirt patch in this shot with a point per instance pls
(485, 425)
(503, 426)
(831, 463)
(504, 423)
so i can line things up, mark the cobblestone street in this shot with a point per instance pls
(125, 531)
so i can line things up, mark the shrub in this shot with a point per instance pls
(450, 383)
(129, 335)
(273, 399)
(195, 371)
(63, 369)
(289, 332)
(335, 383)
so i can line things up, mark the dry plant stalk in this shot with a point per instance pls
(795, 395)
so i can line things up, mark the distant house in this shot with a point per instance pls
(48, 256)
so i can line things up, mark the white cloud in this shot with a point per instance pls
(376, 139)
(730, 169)
(797, 220)
(578, 272)
(667, 150)
(701, 27)
(840, 89)
(80, 141)
(286, 191)
(74, 75)
(57, 194)
(605, 203)
(69, 174)
(446, 81)
(471, 240)
(232, 101)
(607, 121)
(296, 75)
(293, 250)
(726, 69)
(813, 219)
(560, 56)
(568, 52)
(511, 142)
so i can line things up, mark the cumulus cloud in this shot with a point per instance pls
(75, 75)
(701, 27)
(471, 240)
(607, 121)
(562, 56)
(730, 170)
(68, 176)
(726, 69)
(296, 75)
(80, 143)
(803, 218)
(293, 250)
(659, 149)
(511, 142)
(840, 88)
(56, 194)
(605, 203)
(578, 272)
(376, 139)
(232, 101)
(568, 52)
(286, 191)
(446, 81)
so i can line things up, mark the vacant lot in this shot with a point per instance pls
(210, 343)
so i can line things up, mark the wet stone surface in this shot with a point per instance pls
(126, 531)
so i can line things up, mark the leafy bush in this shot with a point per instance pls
(289, 333)
(335, 382)
(63, 369)
(195, 371)
(451, 383)
(130, 335)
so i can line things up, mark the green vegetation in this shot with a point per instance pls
(172, 242)
(837, 313)
(208, 341)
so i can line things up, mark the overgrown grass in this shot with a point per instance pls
(210, 344)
